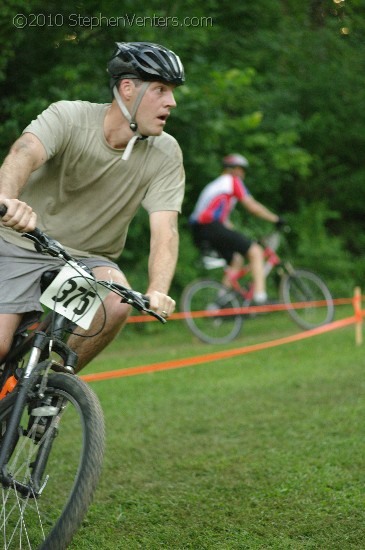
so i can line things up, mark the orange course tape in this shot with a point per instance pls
(217, 356)
(238, 310)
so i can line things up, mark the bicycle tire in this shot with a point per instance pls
(74, 464)
(207, 295)
(303, 286)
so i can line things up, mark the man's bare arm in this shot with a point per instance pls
(162, 260)
(257, 209)
(26, 155)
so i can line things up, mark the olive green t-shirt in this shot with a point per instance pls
(85, 195)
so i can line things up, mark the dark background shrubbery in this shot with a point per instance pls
(280, 81)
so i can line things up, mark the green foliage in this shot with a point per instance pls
(230, 120)
(9, 40)
(320, 251)
(279, 81)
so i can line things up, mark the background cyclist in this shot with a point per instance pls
(212, 227)
(81, 171)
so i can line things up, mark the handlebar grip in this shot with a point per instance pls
(37, 233)
(3, 210)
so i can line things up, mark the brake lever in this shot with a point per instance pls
(46, 245)
(155, 315)
(136, 300)
(39, 242)
(133, 298)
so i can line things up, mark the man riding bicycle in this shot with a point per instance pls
(81, 171)
(211, 225)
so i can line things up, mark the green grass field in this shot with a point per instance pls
(262, 451)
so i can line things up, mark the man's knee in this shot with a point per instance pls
(255, 252)
(8, 325)
(237, 261)
(116, 312)
(5, 344)
(4, 349)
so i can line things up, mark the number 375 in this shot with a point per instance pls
(71, 292)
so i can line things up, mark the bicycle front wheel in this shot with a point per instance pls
(308, 298)
(199, 300)
(58, 458)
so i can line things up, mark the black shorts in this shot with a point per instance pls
(225, 241)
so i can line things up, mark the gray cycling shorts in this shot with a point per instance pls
(20, 273)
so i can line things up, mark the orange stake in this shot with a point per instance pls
(358, 315)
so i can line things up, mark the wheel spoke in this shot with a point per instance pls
(209, 303)
(58, 497)
(309, 301)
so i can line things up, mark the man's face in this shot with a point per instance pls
(238, 171)
(155, 108)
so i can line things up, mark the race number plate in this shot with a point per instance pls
(75, 294)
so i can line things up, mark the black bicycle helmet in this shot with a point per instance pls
(146, 61)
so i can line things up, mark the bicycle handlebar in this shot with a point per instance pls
(139, 301)
(46, 245)
(42, 242)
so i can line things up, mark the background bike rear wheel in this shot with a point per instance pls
(314, 301)
(206, 296)
(50, 520)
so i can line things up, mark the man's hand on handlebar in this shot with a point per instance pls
(18, 215)
(282, 225)
(161, 303)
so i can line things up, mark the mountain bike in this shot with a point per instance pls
(51, 422)
(215, 314)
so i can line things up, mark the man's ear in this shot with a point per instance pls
(126, 88)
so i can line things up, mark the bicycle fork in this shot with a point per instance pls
(25, 386)
(12, 429)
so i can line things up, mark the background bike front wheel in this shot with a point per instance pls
(308, 298)
(69, 424)
(206, 303)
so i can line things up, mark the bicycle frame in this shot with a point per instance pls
(34, 374)
(24, 341)
(39, 344)
(34, 400)
(212, 306)
(271, 260)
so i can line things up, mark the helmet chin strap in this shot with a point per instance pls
(131, 117)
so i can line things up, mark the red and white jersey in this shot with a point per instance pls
(218, 199)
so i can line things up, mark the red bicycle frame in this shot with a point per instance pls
(271, 260)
